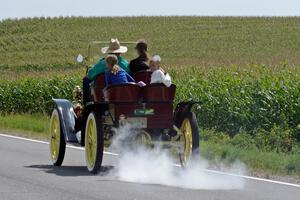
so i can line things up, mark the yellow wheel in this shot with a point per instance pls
(189, 139)
(57, 141)
(93, 143)
(142, 139)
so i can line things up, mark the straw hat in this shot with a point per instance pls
(114, 47)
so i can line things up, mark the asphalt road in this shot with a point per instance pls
(26, 173)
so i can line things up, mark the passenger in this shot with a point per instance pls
(114, 73)
(99, 68)
(141, 63)
(113, 48)
(158, 75)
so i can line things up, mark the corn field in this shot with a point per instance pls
(231, 99)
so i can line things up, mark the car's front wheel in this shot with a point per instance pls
(57, 140)
(93, 143)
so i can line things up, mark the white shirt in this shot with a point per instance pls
(159, 77)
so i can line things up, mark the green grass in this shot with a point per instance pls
(34, 126)
(266, 163)
(267, 158)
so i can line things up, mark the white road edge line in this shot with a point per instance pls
(44, 142)
(176, 165)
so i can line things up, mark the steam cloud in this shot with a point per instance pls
(156, 166)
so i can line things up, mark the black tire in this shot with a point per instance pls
(62, 150)
(57, 160)
(195, 134)
(94, 165)
(195, 154)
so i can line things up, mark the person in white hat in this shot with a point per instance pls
(114, 48)
(158, 74)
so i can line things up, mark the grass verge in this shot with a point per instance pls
(263, 163)
(33, 126)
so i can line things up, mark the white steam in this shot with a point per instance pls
(156, 166)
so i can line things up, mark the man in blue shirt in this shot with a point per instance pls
(100, 67)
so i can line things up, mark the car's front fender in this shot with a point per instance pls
(67, 119)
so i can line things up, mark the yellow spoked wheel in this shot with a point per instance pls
(189, 139)
(57, 141)
(142, 139)
(93, 143)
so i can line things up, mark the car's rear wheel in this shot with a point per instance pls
(142, 139)
(93, 143)
(57, 140)
(189, 139)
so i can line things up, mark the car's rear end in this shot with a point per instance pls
(150, 107)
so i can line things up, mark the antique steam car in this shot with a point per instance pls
(149, 109)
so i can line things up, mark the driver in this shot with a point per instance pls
(99, 68)
(141, 63)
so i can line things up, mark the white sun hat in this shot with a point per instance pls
(114, 47)
(156, 58)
